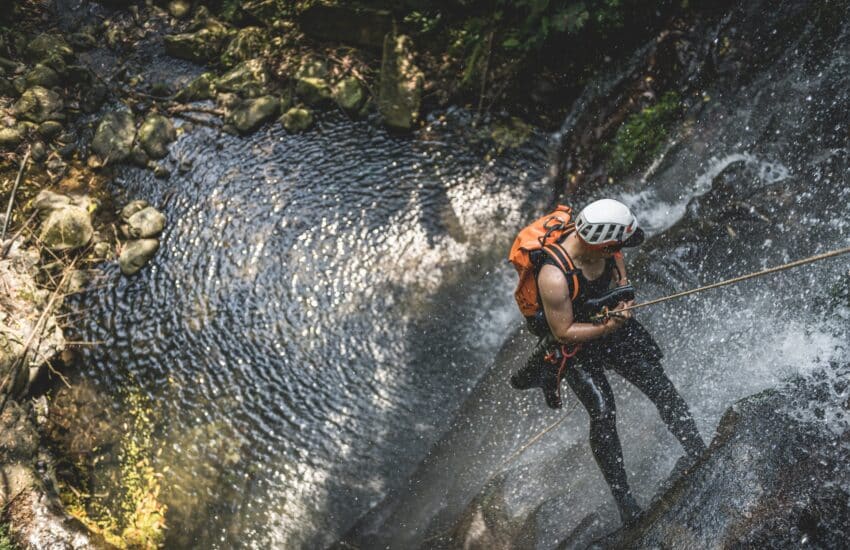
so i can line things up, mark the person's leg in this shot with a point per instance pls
(542, 370)
(594, 392)
(649, 377)
(636, 356)
(531, 375)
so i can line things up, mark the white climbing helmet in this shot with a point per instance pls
(608, 222)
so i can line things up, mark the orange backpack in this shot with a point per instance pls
(536, 239)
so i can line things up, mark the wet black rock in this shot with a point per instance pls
(349, 25)
(774, 477)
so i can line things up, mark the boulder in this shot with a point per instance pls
(48, 45)
(400, 87)
(155, 133)
(7, 89)
(200, 46)
(49, 129)
(248, 43)
(38, 104)
(297, 119)
(199, 89)
(42, 75)
(349, 94)
(135, 254)
(114, 137)
(313, 90)
(10, 138)
(252, 113)
(66, 228)
(39, 151)
(350, 25)
(133, 207)
(775, 476)
(248, 79)
(147, 222)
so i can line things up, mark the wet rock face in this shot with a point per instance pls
(770, 480)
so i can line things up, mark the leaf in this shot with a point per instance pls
(511, 44)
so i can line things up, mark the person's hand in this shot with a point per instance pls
(628, 314)
(617, 317)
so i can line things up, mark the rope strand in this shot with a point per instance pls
(734, 280)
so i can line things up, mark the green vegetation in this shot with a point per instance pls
(539, 20)
(139, 520)
(642, 135)
(6, 542)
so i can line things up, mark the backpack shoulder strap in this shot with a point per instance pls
(565, 263)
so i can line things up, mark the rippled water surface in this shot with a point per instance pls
(319, 305)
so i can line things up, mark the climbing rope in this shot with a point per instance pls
(535, 438)
(732, 281)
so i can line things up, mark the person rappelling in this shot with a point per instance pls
(569, 273)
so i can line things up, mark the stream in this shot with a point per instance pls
(319, 306)
(326, 333)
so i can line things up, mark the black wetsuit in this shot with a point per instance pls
(632, 353)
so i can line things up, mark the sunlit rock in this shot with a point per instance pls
(297, 119)
(155, 133)
(198, 89)
(252, 113)
(400, 89)
(135, 254)
(248, 79)
(10, 138)
(200, 46)
(247, 44)
(114, 137)
(179, 8)
(47, 45)
(38, 104)
(313, 90)
(349, 94)
(147, 222)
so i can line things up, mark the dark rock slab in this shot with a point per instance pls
(769, 480)
(349, 25)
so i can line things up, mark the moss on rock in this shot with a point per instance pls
(642, 136)
(297, 119)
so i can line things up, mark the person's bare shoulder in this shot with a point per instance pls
(552, 284)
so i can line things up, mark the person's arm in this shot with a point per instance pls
(620, 263)
(558, 307)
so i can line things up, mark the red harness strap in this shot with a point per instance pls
(565, 354)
